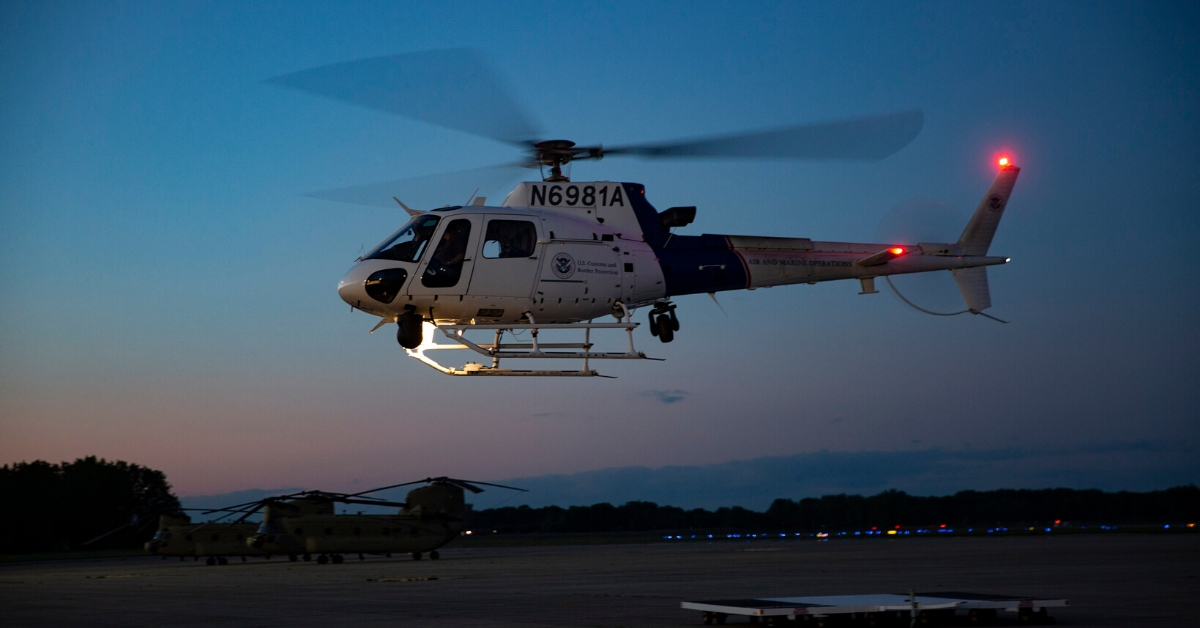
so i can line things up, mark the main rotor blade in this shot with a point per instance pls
(456, 89)
(450, 187)
(370, 502)
(871, 138)
(117, 529)
(511, 488)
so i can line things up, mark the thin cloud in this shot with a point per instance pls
(667, 396)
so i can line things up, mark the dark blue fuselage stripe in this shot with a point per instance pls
(690, 264)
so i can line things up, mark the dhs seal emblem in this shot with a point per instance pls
(563, 265)
(995, 203)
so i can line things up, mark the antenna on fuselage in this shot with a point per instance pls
(412, 212)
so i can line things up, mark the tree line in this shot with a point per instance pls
(844, 512)
(47, 507)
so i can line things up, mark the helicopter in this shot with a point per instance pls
(178, 536)
(303, 524)
(557, 254)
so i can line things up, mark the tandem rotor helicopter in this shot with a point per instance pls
(557, 254)
(304, 524)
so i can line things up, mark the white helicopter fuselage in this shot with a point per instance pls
(568, 252)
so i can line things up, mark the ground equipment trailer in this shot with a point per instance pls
(940, 608)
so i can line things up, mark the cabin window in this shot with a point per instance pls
(445, 265)
(509, 238)
(407, 244)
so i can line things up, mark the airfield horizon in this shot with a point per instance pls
(1110, 580)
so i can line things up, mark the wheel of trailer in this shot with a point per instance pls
(222, 561)
(434, 555)
(211, 561)
(416, 555)
(307, 557)
(720, 617)
(293, 557)
(322, 559)
(706, 618)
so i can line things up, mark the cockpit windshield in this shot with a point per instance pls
(407, 244)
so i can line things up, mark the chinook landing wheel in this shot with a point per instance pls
(211, 561)
(322, 559)
(434, 555)
(222, 561)
(416, 555)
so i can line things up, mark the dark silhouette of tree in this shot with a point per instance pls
(844, 512)
(58, 507)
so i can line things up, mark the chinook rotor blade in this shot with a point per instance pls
(456, 89)
(464, 484)
(371, 502)
(870, 138)
(135, 522)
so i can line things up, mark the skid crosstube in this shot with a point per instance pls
(497, 350)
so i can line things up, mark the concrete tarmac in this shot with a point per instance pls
(1110, 579)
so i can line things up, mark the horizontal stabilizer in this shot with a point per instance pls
(882, 257)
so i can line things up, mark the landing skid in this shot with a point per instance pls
(497, 350)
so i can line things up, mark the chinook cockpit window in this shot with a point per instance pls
(407, 244)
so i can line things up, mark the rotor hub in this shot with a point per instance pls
(557, 153)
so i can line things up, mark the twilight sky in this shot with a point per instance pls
(168, 294)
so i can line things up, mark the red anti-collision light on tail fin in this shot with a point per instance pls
(897, 250)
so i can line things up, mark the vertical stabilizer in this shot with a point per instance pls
(977, 237)
(973, 284)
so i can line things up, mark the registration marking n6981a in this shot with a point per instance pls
(555, 195)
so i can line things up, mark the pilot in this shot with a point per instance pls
(445, 266)
(409, 250)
